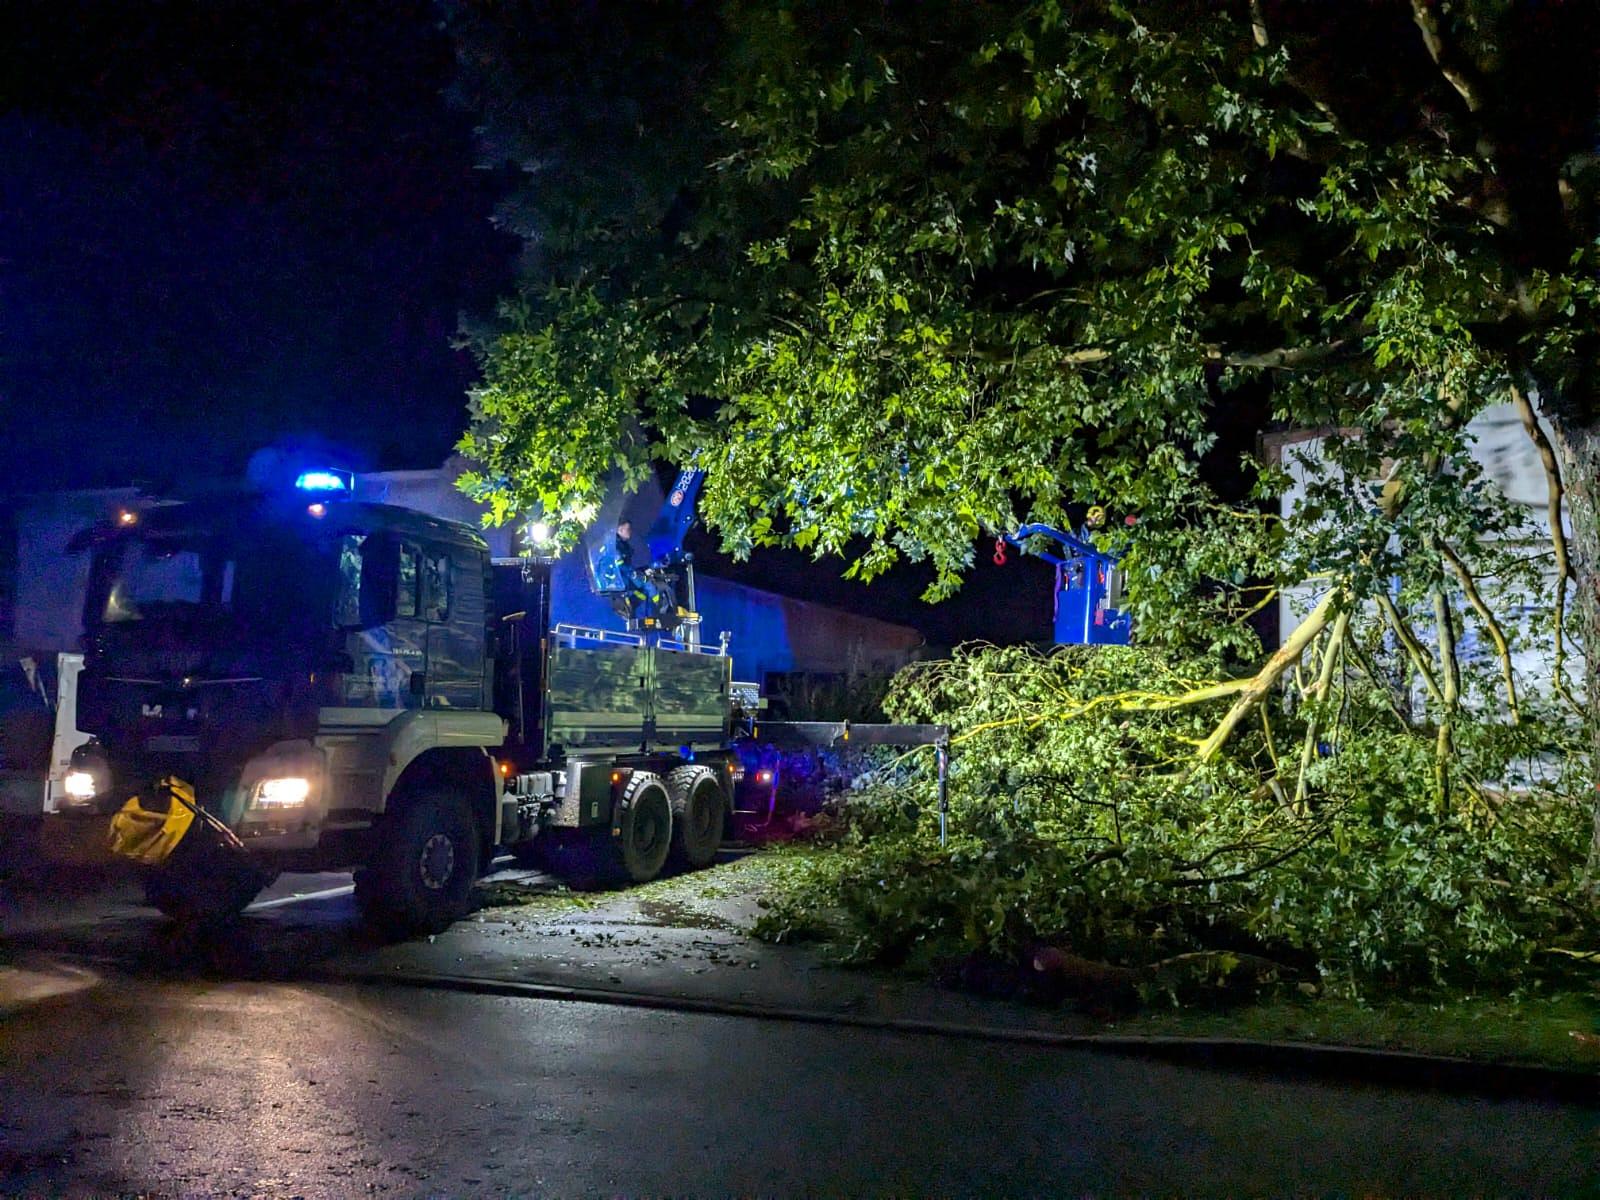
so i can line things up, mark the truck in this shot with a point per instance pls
(341, 684)
(37, 732)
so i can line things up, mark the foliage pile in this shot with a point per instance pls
(1081, 818)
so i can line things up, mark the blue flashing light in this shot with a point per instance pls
(325, 481)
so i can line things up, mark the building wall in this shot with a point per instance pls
(1510, 460)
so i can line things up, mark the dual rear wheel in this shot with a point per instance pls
(677, 817)
(673, 818)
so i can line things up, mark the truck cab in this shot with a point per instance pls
(309, 666)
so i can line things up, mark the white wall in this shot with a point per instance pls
(1511, 461)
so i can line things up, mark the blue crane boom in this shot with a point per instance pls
(658, 594)
(671, 526)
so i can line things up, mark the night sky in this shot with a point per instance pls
(225, 225)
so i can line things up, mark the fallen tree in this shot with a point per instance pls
(1086, 829)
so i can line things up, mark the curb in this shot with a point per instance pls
(1354, 1065)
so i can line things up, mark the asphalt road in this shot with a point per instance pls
(247, 1088)
(165, 1068)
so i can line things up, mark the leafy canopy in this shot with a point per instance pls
(910, 274)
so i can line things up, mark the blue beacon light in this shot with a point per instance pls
(324, 481)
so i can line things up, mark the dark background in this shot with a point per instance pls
(227, 225)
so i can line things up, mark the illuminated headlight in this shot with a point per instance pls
(78, 785)
(289, 792)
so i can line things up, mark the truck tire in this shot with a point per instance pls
(423, 862)
(205, 882)
(698, 810)
(200, 908)
(644, 823)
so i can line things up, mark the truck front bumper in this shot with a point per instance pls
(263, 838)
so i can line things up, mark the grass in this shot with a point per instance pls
(1535, 1029)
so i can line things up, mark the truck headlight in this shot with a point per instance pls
(287, 792)
(78, 785)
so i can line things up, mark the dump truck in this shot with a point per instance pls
(333, 683)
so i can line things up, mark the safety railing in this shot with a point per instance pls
(573, 636)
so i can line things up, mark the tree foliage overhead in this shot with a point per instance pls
(908, 275)
(911, 272)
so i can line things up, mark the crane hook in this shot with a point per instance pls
(999, 551)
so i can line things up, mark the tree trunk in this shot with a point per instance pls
(1579, 449)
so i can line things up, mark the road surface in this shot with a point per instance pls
(159, 1069)
(245, 1088)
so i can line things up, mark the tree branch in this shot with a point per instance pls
(1258, 25)
(1286, 656)
(1409, 642)
(1324, 682)
(1450, 675)
(1502, 648)
(1383, 686)
(1091, 354)
(1558, 534)
(1284, 357)
(1457, 73)
(1263, 39)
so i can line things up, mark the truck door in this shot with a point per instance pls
(380, 610)
(453, 605)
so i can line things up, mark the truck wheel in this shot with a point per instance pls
(645, 823)
(698, 807)
(200, 907)
(205, 881)
(424, 859)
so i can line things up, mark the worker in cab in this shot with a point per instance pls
(612, 567)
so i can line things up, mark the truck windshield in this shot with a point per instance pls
(144, 577)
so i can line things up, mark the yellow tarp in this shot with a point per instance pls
(149, 837)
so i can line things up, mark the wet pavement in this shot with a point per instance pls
(247, 1088)
(297, 1056)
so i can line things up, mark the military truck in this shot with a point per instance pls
(346, 684)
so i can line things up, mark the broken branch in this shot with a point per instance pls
(1285, 657)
